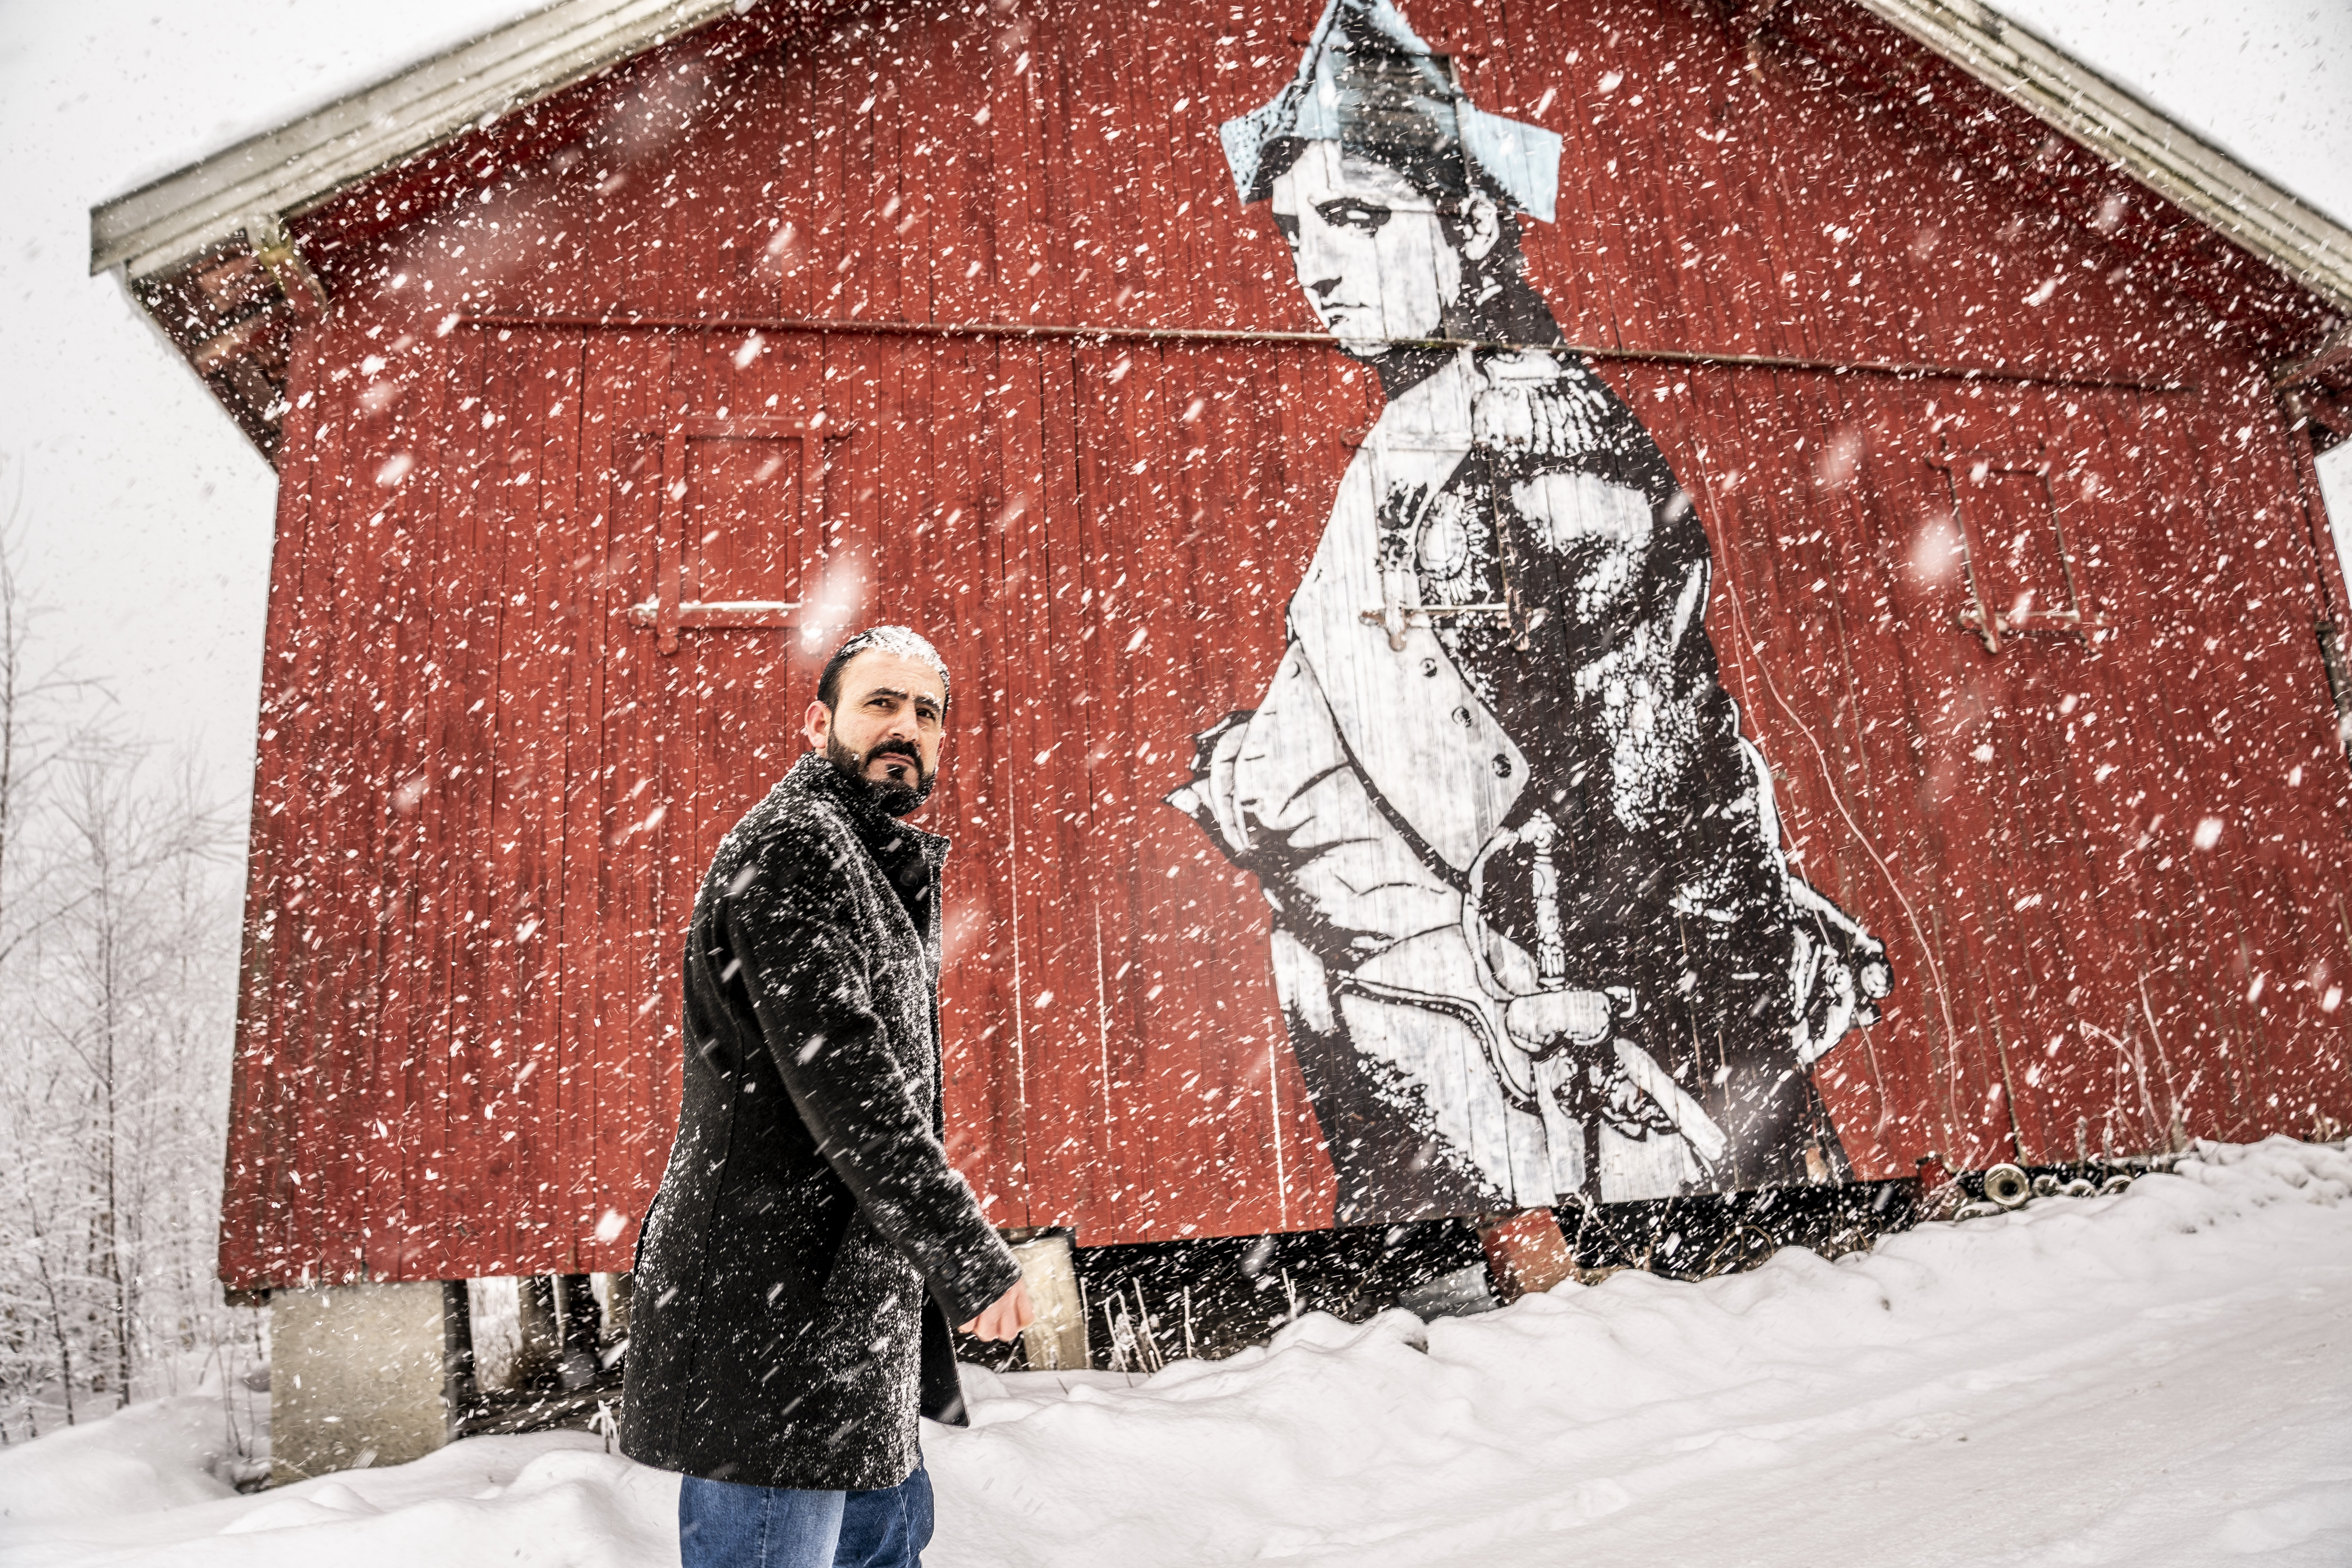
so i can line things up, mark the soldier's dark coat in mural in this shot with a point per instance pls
(1534, 936)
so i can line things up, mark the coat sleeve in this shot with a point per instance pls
(809, 987)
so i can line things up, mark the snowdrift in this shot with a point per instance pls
(2162, 1376)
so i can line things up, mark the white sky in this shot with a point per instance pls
(147, 518)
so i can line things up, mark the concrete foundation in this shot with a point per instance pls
(356, 1377)
(1056, 1340)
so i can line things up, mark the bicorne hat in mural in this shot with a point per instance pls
(1370, 83)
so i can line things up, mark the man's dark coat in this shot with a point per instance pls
(779, 1332)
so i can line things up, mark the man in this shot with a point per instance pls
(810, 1243)
(1534, 936)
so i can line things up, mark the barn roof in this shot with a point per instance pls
(217, 252)
(2135, 137)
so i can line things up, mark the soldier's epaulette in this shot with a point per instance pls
(1562, 412)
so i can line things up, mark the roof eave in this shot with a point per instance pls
(2135, 137)
(302, 165)
(207, 230)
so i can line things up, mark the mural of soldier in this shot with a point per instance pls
(1533, 936)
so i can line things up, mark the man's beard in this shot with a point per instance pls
(889, 797)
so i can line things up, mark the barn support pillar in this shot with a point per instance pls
(359, 1376)
(580, 1329)
(461, 1392)
(1056, 1339)
(539, 1358)
(1525, 1252)
(620, 1292)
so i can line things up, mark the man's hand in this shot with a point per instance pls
(1224, 765)
(1005, 1317)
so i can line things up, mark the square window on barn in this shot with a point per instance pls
(2023, 573)
(742, 504)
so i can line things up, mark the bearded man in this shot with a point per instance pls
(1534, 937)
(810, 1243)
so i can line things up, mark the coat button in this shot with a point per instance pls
(1502, 766)
(1462, 717)
(1429, 668)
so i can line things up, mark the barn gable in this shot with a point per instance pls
(209, 255)
(810, 317)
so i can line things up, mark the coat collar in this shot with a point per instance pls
(886, 837)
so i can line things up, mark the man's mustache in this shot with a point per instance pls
(905, 749)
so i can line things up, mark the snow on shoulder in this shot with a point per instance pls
(2156, 1377)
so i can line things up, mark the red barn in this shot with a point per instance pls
(1955, 413)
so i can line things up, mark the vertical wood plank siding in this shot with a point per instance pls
(2110, 869)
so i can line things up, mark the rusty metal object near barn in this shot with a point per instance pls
(614, 363)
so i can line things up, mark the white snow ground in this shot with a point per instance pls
(2163, 1377)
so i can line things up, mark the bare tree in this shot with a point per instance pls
(130, 996)
(117, 953)
(34, 734)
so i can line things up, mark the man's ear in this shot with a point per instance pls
(818, 724)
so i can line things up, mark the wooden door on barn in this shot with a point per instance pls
(720, 536)
(582, 772)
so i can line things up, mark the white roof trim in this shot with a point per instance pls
(298, 166)
(2169, 159)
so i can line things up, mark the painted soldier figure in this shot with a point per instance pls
(1534, 936)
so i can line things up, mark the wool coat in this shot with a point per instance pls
(810, 1243)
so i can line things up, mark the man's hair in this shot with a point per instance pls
(903, 641)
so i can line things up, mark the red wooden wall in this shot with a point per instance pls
(2110, 870)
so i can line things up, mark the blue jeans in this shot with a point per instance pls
(725, 1524)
